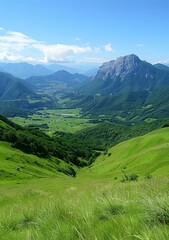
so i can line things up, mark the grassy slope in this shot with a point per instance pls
(78, 209)
(14, 164)
(140, 155)
(86, 207)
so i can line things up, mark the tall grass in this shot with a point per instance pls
(133, 210)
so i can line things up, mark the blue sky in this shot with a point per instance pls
(83, 31)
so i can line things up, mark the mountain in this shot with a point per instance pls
(91, 72)
(161, 67)
(24, 70)
(14, 95)
(127, 73)
(58, 81)
(57, 67)
(127, 88)
(13, 88)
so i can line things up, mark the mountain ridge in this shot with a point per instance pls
(127, 73)
(13, 88)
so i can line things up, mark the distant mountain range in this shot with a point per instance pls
(57, 67)
(127, 87)
(26, 70)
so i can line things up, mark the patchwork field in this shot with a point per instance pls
(66, 120)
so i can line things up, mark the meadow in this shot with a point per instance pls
(68, 208)
(97, 204)
(66, 120)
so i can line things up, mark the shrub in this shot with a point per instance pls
(133, 177)
(148, 176)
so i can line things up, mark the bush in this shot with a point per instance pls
(148, 176)
(133, 177)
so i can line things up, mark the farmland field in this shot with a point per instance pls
(66, 120)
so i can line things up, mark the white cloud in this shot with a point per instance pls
(16, 38)
(61, 52)
(16, 46)
(166, 61)
(108, 47)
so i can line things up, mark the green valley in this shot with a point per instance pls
(85, 158)
(39, 203)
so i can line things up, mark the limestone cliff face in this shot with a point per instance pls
(128, 73)
(120, 67)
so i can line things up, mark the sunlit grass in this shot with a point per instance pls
(86, 209)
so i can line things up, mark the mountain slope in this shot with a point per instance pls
(57, 67)
(56, 151)
(57, 82)
(140, 155)
(14, 164)
(128, 88)
(60, 76)
(161, 67)
(127, 73)
(12, 88)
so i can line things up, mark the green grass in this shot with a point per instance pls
(140, 155)
(85, 209)
(16, 165)
(94, 205)
(65, 120)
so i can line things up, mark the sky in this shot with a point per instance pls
(83, 32)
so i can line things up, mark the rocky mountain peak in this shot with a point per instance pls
(119, 67)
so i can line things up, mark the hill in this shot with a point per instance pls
(12, 88)
(57, 82)
(16, 165)
(57, 67)
(14, 95)
(57, 153)
(143, 155)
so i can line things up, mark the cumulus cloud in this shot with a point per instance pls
(16, 46)
(60, 52)
(108, 47)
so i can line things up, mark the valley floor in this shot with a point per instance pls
(84, 208)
